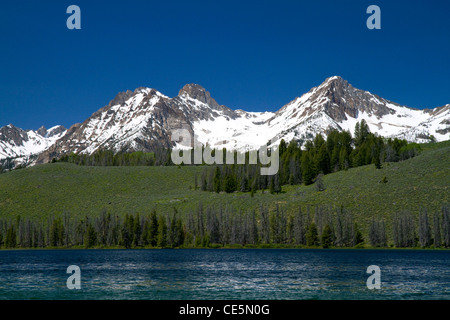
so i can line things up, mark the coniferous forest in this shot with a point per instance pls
(340, 151)
(225, 226)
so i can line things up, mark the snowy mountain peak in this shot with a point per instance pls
(334, 84)
(334, 80)
(42, 131)
(197, 92)
(121, 97)
(144, 120)
(24, 145)
(52, 132)
(56, 131)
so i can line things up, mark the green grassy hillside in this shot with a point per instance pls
(49, 189)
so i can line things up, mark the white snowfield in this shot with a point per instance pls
(303, 118)
(120, 124)
(140, 118)
(33, 143)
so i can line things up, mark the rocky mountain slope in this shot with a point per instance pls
(144, 119)
(25, 145)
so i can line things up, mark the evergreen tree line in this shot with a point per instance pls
(161, 157)
(231, 178)
(407, 233)
(106, 230)
(427, 234)
(223, 226)
(339, 151)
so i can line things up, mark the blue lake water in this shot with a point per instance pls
(225, 274)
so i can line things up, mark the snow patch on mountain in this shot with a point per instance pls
(145, 119)
(15, 142)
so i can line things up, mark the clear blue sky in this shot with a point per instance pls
(253, 55)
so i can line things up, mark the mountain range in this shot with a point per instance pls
(144, 119)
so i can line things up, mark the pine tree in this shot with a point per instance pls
(265, 224)
(437, 231)
(137, 231)
(326, 239)
(424, 230)
(230, 183)
(203, 183)
(307, 166)
(323, 160)
(253, 224)
(276, 186)
(312, 238)
(57, 233)
(382, 233)
(299, 228)
(282, 147)
(90, 237)
(294, 171)
(153, 229)
(446, 226)
(404, 230)
(127, 237)
(244, 184)
(377, 161)
(175, 235)
(340, 236)
(162, 232)
(53, 234)
(11, 237)
(357, 134)
(358, 235)
(180, 236)
(275, 225)
(377, 234)
(212, 225)
(253, 190)
(217, 180)
(271, 185)
(129, 224)
(343, 159)
(334, 160)
(361, 132)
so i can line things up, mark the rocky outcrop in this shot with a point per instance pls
(13, 135)
(341, 100)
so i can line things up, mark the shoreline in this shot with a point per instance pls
(226, 248)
